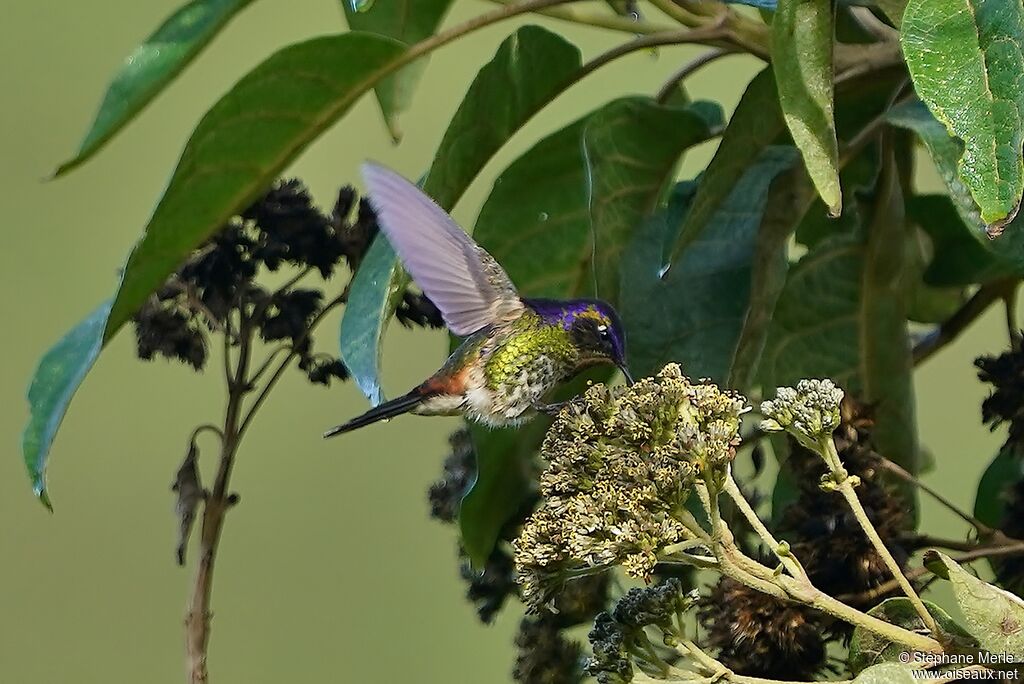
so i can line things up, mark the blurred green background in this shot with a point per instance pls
(329, 569)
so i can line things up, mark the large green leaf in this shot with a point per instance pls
(712, 307)
(60, 372)
(408, 21)
(994, 616)
(530, 68)
(957, 257)
(632, 148)
(802, 59)
(990, 502)
(945, 153)
(241, 145)
(540, 231)
(842, 315)
(501, 487)
(868, 648)
(755, 124)
(151, 67)
(965, 59)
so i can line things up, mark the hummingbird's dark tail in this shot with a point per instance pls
(389, 409)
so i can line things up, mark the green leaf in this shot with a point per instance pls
(990, 502)
(531, 67)
(886, 673)
(802, 60)
(927, 303)
(408, 21)
(994, 616)
(711, 309)
(957, 258)
(501, 487)
(55, 381)
(755, 124)
(868, 648)
(976, 45)
(372, 299)
(540, 231)
(632, 148)
(151, 67)
(842, 315)
(944, 151)
(243, 143)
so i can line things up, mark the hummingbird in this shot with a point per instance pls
(516, 350)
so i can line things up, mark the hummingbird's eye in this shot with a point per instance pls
(603, 329)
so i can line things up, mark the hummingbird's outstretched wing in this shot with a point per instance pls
(464, 281)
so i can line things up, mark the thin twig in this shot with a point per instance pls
(921, 541)
(611, 22)
(950, 329)
(869, 596)
(206, 427)
(265, 366)
(293, 352)
(678, 13)
(688, 70)
(708, 35)
(900, 472)
(1010, 311)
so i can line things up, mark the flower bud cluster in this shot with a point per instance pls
(809, 412)
(618, 636)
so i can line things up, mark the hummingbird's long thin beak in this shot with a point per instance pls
(625, 372)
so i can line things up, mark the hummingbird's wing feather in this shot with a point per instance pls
(464, 281)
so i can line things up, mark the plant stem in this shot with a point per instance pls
(678, 13)
(1012, 549)
(900, 472)
(788, 561)
(292, 353)
(239, 383)
(1010, 310)
(950, 329)
(688, 70)
(708, 35)
(788, 588)
(845, 485)
(611, 22)
(197, 619)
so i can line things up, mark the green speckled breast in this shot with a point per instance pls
(529, 350)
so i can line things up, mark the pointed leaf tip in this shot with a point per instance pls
(152, 67)
(58, 376)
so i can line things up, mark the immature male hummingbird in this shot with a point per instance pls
(516, 350)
